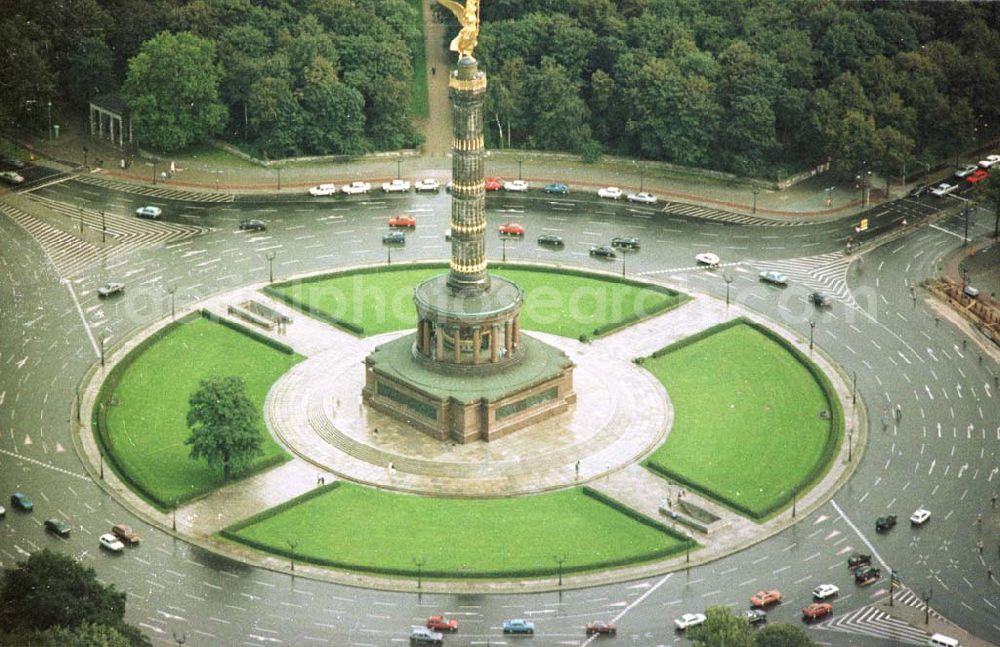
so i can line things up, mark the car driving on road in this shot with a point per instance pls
(511, 229)
(20, 501)
(707, 258)
(920, 516)
(10, 177)
(253, 225)
(885, 523)
(625, 243)
(601, 628)
(551, 240)
(395, 237)
(643, 197)
(107, 541)
(149, 212)
(610, 193)
(518, 626)
(110, 289)
(404, 220)
(771, 276)
(765, 598)
(689, 620)
(517, 186)
(817, 610)
(556, 187)
(57, 527)
(603, 251)
(824, 591)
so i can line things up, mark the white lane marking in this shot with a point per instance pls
(83, 318)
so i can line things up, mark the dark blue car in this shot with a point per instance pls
(556, 187)
(21, 502)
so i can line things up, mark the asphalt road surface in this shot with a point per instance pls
(942, 454)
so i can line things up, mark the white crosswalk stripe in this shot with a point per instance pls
(708, 213)
(154, 191)
(825, 272)
(689, 268)
(871, 621)
(71, 256)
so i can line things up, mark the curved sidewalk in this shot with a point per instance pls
(631, 484)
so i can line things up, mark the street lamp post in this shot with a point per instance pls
(81, 220)
(278, 169)
(419, 562)
(49, 104)
(854, 389)
(104, 339)
(795, 495)
(85, 157)
(623, 265)
(967, 210)
(292, 544)
(560, 559)
(519, 163)
(170, 291)
(850, 444)
(642, 177)
(173, 515)
(270, 266)
(104, 228)
(399, 163)
(728, 278)
(388, 255)
(102, 464)
(503, 245)
(812, 327)
(755, 192)
(927, 605)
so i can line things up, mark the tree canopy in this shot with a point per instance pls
(224, 424)
(172, 91)
(59, 602)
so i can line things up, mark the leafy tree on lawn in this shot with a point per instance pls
(172, 91)
(723, 628)
(224, 425)
(52, 590)
(779, 635)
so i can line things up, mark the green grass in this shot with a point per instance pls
(147, 428)
(458, 537)
(747, 427)
(559, 303)
(418, 89)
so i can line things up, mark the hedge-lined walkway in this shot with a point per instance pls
(632, 486)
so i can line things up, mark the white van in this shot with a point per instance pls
(941, 640)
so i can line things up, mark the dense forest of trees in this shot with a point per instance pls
(280, 77)
(753, 87)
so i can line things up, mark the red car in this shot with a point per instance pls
(441, 623)
(601, 628)
(511, 229)
(765, 598)
(402, 221)
(977, 176)
(817, 610)
(493, 184)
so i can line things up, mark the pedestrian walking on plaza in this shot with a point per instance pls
(899, 412)
(993, 501)
(979, 545)
(578, 469)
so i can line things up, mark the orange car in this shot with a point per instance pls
(493, 184)
(442, 623)
(403, 221)
(765, 598)
(511, 229)
(817, 610)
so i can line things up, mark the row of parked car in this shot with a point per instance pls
(114, 541)
(970, 174)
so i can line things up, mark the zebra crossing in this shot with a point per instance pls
(154, 191)
(876, 622)
(825, 272)
(71, 256)
(708, 213)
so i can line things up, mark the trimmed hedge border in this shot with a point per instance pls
(274, 291)
(834, 436)
(99, 417)
(231, 533)
(99, 421)
(249, 332)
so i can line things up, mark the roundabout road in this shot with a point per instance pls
(942, 454)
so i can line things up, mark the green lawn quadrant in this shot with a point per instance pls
(147, 426)
(747, 427)
(366, 529)
(562, 303)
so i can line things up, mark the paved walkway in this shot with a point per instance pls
(608, 431)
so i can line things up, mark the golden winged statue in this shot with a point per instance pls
(468, 16)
